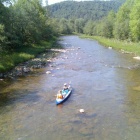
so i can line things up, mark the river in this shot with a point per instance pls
(105, 84)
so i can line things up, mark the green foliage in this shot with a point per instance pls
(109, 25)
(63, 26)
(135, 21)
(88, 10)
(4, 15)
(121, 28)
(124, 25)
(23, 23)
(2, 36)
(9, 60)
(71, 24)
(79, 25)
(88, 28)
(92, 17)
(30, 21)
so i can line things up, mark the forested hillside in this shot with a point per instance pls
(117, 19)
(88, 10)
(123, 25)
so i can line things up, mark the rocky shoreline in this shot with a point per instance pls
(24, 68)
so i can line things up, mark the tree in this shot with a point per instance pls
(63, 26)
(88, 10)
(79, 25)
(135, 21)
(110, 24)
(71, 25)
(121, 28)
(2, 37)
(4, 25)
(30, 21)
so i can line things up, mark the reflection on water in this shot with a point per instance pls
(105, 83)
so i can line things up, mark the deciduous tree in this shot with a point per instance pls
(135, 21)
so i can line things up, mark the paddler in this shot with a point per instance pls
(66, 87)
(59, 95)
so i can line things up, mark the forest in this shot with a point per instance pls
(115, 19)
(23, 23)
(88, 10)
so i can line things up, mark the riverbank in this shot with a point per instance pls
(123, 46)
(27, 59)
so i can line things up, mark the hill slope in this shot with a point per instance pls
(85, 9)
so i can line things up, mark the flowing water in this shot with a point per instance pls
(105, 83)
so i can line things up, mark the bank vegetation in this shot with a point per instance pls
(26, 29)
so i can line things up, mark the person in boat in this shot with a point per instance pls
(66, 87)
(59, 95)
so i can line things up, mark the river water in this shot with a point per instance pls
(105, 83)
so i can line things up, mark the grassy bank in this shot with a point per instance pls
(10, 60)
(125, 46)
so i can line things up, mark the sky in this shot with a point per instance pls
(56, 1)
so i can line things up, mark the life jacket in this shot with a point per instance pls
(59, 96)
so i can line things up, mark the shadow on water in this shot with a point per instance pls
(11, 93)
(87, 116)
(82, 116)
(8, 98)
